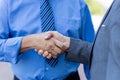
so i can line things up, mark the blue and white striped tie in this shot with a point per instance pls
(47, 23)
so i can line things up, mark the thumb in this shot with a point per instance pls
(60, 44)
(48, 36)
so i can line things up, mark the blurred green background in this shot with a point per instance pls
(95, 7)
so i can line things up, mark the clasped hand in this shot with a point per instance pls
(53, 45)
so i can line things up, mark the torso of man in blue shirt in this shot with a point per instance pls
(19, 18)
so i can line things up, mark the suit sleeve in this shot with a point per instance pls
(79, 51)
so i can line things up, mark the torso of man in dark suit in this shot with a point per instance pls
(105, 51)
(105, 63)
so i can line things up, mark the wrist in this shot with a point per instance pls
(67, 43)
(27, 42)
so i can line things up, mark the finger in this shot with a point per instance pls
(49, 56)
(45, 54)
(57, 50)
(54, 54)
(60, 44)
(41, 52)
(48, 36)
(35, 50)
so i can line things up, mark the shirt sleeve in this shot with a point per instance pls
(88, 33)
(77, 47)
(79, 51)
(87, 29)
(9, 47)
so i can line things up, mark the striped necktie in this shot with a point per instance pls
(47, 23)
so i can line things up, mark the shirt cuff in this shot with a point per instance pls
(12, 49)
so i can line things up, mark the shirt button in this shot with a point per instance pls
(46, 69)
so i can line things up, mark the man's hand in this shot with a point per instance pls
(37, 41)
(61, 41)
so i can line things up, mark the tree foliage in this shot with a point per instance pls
(95, 7)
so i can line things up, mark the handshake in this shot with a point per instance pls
(49, 44)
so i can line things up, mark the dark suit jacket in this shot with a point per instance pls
(79, 51)
(105, 53)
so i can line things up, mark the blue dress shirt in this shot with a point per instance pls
(19, 18)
